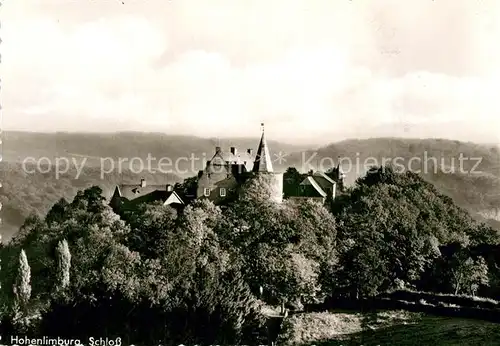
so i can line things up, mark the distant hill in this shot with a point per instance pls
(477, 189)
(24, 193)
(374, 150)
(127, 146)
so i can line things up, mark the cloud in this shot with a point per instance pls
(313, 71)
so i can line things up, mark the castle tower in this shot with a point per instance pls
(262, 161)
(340, 176)
(263, 166)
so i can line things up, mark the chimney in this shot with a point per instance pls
(249, 152)
(233, 150)
(143, 182)
(170, 188)
(217, 149)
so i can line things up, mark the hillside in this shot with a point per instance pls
(24, 193)
(126, 145)
(476, 189)
(359, 154)
(386, 328)
(202, 275)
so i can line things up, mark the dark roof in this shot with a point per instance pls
(263, 161)
(323, 180)
(238, 158)
(310, 188)
(323, 175)
(133, 191)
(134, 194)
(242, 158)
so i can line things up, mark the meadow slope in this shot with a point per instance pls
(385, 329)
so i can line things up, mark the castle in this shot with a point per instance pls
(225, 173)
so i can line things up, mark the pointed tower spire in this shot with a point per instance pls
(263, 158)
(340, 176)
(339, 167)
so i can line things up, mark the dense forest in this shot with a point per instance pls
(204, 274)
(23, 194)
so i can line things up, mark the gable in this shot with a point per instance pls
(117, 193)
(217, 160)
(173, 199)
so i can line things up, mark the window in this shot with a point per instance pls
(206, 192)
(222, 192)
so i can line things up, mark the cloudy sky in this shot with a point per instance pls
(314, 71)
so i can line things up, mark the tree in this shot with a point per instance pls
(468, 275)
(63, 264)
(306, 272)
(188, 187)
(90, 199)
(57, 212)
(150, 227)
(390, 228)
(315, 227)
(291, 180)
(479, 275)
(197, 243)
(22, 287)
(186, 285)
(258, 188)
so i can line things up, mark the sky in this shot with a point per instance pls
(314, 71)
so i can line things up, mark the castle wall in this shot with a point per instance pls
(278, 187)
(275, 182)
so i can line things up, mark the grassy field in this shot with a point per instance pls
(385, 328)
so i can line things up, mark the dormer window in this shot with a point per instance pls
(206, 192)
(222, 192)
